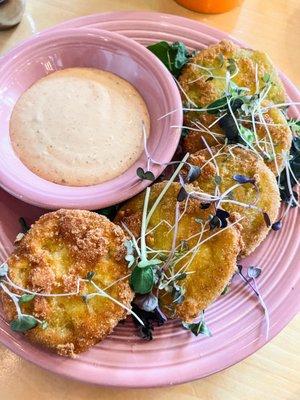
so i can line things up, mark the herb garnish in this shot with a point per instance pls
(291, 175)
(24, 322)
(198, 328)
(24, 226)
(147, 318)
(252, 274)
(174, 56)
(145, 175)
(109, 212)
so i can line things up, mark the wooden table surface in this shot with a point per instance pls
(273, 372)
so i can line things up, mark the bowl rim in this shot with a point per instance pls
(83, 197)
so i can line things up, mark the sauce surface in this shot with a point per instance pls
(79, 126)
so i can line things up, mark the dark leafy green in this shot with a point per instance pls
(148, 317)
(142, 279)
(199, 328)
(295, 166)
(26, 298)
(23, 323)
(24, 226)
(145, 175)
(109, 212)
(174, 56)
(90, 275)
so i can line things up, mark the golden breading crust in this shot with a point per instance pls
(203, 92)
(239, 161)
(212, 264)
(60, 248)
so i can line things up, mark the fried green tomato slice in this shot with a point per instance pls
(273, 134)
(59, 250)
(203, 82)
(209, 258)
(231, 164)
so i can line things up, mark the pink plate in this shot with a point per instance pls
(236, 320)
(52, 51)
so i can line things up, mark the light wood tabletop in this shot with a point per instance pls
(274, 371)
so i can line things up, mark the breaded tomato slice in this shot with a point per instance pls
(203, 81)
(233, 165)
(273, 134)
(208, 256)
(56, 255)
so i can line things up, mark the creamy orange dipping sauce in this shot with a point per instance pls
(79, 126)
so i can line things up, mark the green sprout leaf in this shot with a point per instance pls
(217, 105)
(231, 67)
(145, 175)
(225, 290)
(142, 280)
(23, 323)
(247, 135)
(266, 77)
(148, 263)
(25, 298)
(44, 325)
(173, 56)
(108, 212)
(90, 275)
(220, 58)
(218, 179)
(24, 226)
(199, 328)
(129, 252)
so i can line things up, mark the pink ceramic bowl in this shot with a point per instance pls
(43, 54)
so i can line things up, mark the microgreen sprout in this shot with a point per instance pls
(198, 328)
(252, 274)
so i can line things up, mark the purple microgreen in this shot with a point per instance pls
(267, 219)
(145, 175)
(204, 206)
(253, 272)
(222, 214)
(148, 318)
(277, 225)
(219, 220)
(182, 195)
(255, 290)
(193, 174)
(243, 179)
(215, 222)
(146, 302)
